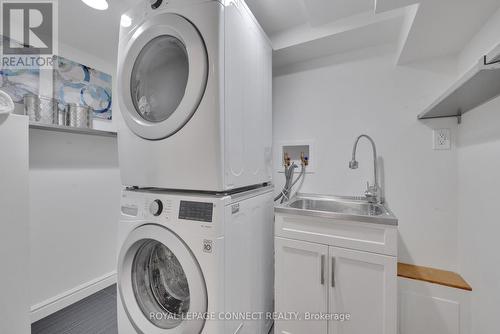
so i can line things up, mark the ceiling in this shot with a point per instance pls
(444, 27)
(436, 28)
(92, 31)
(277, 16)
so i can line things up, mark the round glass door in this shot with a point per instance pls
(162, 75)
(160, 282)
(159, 78)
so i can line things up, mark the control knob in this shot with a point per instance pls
(156, 207)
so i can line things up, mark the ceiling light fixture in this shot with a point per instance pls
(97, 4)
(126, 21)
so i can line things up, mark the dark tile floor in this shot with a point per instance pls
(95, 314)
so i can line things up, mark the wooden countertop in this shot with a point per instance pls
(431, 275)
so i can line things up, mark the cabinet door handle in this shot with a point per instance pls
(333, 272)
(323, 269)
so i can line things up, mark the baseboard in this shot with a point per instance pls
(54, 304)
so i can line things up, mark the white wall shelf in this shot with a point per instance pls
(476, 87)
(62, 128)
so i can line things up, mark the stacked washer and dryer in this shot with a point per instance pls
(196, 228)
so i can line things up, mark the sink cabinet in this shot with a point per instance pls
(329, 267)
(301, 284)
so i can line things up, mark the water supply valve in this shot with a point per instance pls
(304, 160)
(286, 160)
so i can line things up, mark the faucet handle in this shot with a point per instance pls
(372, 193)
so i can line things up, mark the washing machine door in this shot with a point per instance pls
(162, 76)
(160, 283)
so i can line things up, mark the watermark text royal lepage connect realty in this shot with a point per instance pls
(245, 316)
(28, 34)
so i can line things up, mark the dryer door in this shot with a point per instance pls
(160, 282)
(162, 76)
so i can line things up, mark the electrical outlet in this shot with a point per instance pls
(442, 139)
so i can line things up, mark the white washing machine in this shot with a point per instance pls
(194, 89)
(188, 262)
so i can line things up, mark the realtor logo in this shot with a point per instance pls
(29, 33)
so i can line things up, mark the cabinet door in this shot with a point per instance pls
(363, 285)
(301, 285)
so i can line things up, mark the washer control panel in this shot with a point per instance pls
(197, 211)
(159, 208)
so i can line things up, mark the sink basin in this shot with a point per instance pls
(354, 208)
(338, 207)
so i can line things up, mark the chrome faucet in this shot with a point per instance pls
(373, 192)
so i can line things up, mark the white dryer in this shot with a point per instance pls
(194, 89)
(183, 255)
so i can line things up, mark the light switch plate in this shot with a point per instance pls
(441, 139)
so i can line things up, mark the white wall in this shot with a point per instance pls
(479, 224)
(483, 42)
(332, 100)
(479, 182)
(74, 209)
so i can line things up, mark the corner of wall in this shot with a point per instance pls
(483, 42)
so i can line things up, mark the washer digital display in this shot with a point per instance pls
(197, 211)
